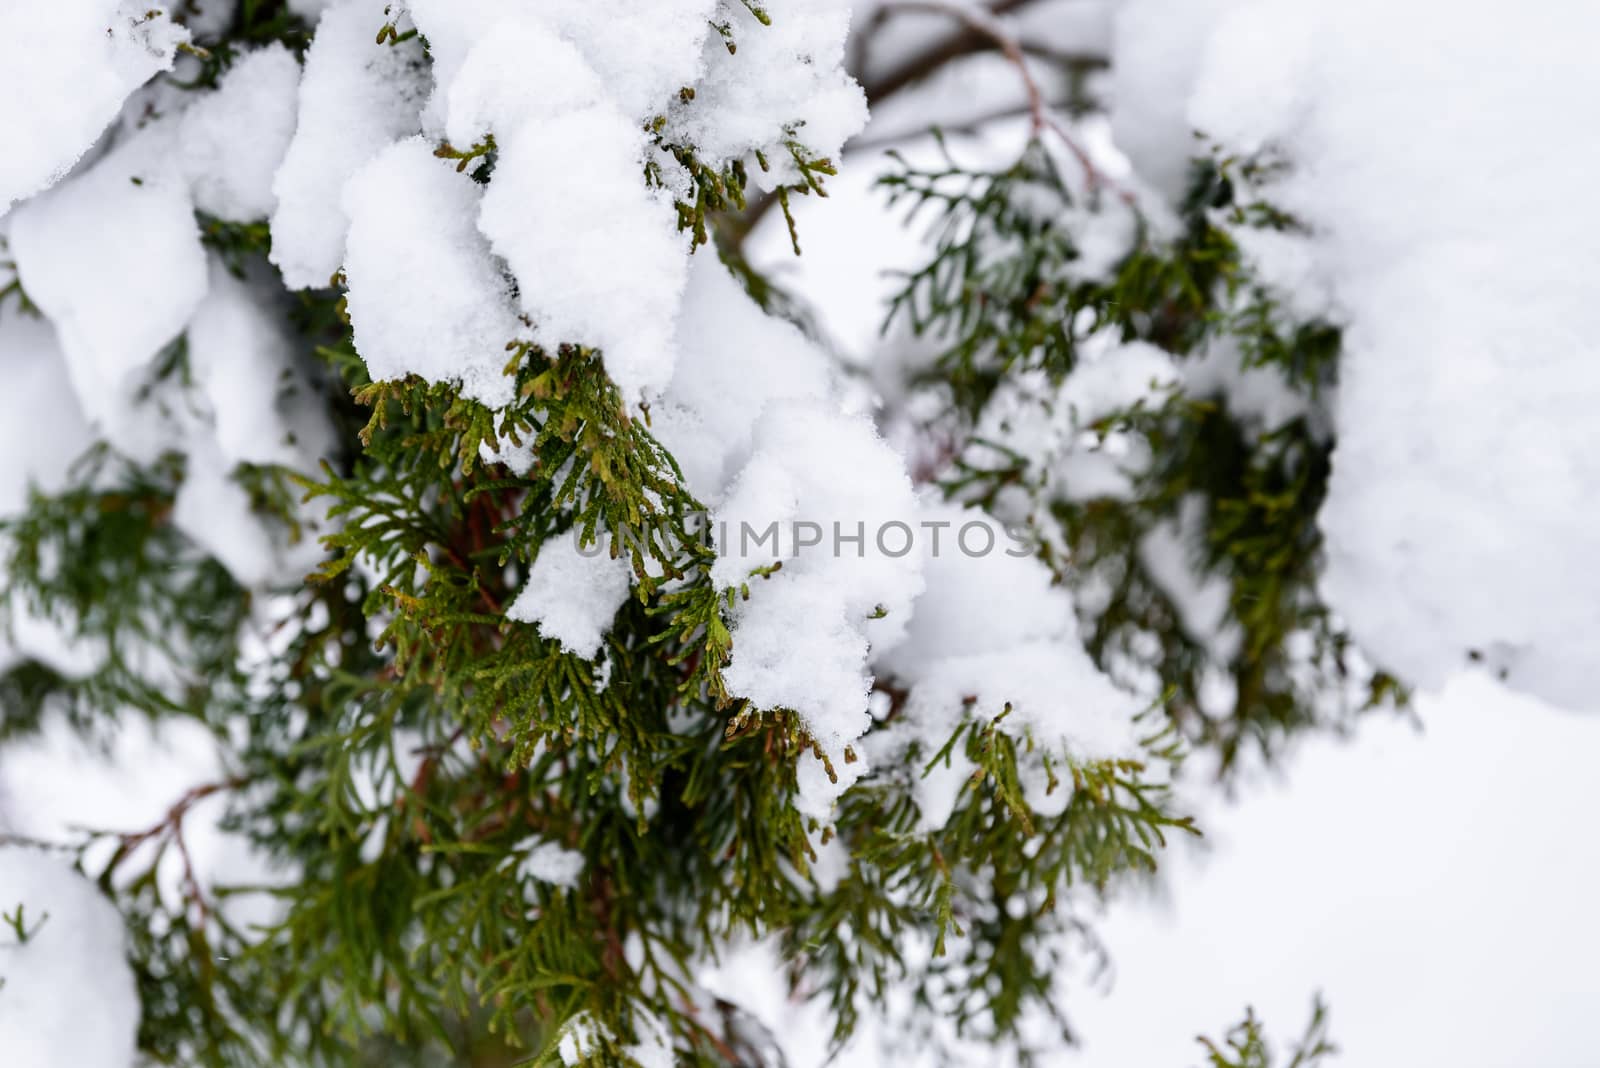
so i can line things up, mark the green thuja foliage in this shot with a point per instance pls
(409, 747)
(403, 755)
(1007, 293)
(993, 293)
(103, 563)
(1246, 1046)
(994, 878)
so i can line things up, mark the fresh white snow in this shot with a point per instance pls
(65, 70)
(68, 995)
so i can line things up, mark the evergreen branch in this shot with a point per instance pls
(1245, 1045)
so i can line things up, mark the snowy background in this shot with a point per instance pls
(1435, 885)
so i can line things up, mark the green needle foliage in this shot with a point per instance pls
(1003, 296)
(1245, 1045)
(103, 562)
(404, 749)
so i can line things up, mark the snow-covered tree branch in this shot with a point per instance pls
(597, 658)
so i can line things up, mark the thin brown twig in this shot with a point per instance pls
(191, 881)
(982, 21)
(133, 839)
(692, 1014)
(172, 824)
(921, 64)
(972, 38)
(29, 842)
